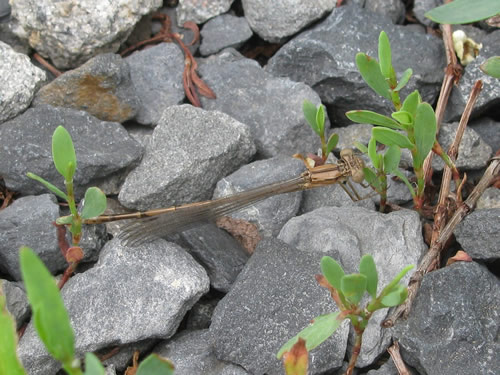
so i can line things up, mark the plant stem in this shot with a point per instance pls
(355, 352)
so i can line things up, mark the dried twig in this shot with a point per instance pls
(47, 65)
(396, 358)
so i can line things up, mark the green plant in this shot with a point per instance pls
(468, 11)
(52, 324)
(412, 125)
(64, 156)
(347, 291)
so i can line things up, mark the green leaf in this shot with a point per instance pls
(321, 329)
(405, 118)
(411, 103)
(332, 271)
(404, 79)
(94, 203)
(367, 267)
(65, 220)
(392, 284)
(310, 110)
(492, 66)
(93, 366)
(63, 153)
(361, 147)
(9, 362)
(49, 315)
(391, 137)
(369, 117)
(391, 159)
(372, 153)
(155, 365)
(353, 287)
(320, 118)
(384, 55)
(403, 178)
(370, 71)
(464, 11)
(425, 129)
(395, 297)
(332, 142)
(372, 179)
(48, 185)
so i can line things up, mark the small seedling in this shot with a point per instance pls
(64, 156)
(412, 125)
(347, 291)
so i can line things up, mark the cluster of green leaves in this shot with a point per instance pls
(412, 125)
(52, 323)
(64, 156)
(468, 11)
(315, 117)
(347, 292)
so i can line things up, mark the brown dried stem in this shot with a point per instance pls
(47, 65)
(396, 358)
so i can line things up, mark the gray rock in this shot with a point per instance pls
(489, 98)
(130, 295)
(102, 149)
(222, 32)
(270, 106)
(324, 58)
(4, 8)
(274, 21)
(346, 234)
(193, 353)
(121, 360)
(220, 254)
(72, 32)
(272, 213)
(394, 9)
(200, 316)
(110, 370)
(28, 222)
(8, 36)
(388, 368)
(489, 199)
(157, 76)
(17, 302)
(479, 235)
(20, 80)
(261, 313)
(190, 150)
(420, 7)
(454, 316)
(101, 87)
(488, 130)
(200, 11)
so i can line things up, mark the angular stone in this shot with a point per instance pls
(270, 106)
(20, 80)
(17, 302)
(479, 236)
(101, 87)
(348, 233)
(274, 21)
(103, 149)
(455, 315)
(323, 57)
(130, 295)
(157, 76)
(193, 353)
(274, 297)
(72, 32)
(393, 9)
(488, 130)
(190, 150)
(199, 11)
(222, 32)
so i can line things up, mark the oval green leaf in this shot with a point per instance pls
(411, 103)
(369, 117)
(464, 11)
(396, 297)
(367, 267)
(48, 185)
(321, 329)
(361, 147)
(492, 67)
(93, 366)
(404, 79)
(332, 271)
(155, 365)
(309, 110)
(320, 119)
(372, 153)
(332, 142)
(9, 362)
(372, 179)
(384, 55)
(403, 178)
(370, 71)
(425, 129)
(391, 159)
(353, 287)
(405, 118)
(94, 203)
(391, 137)
(63, 153)
(50, 317)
